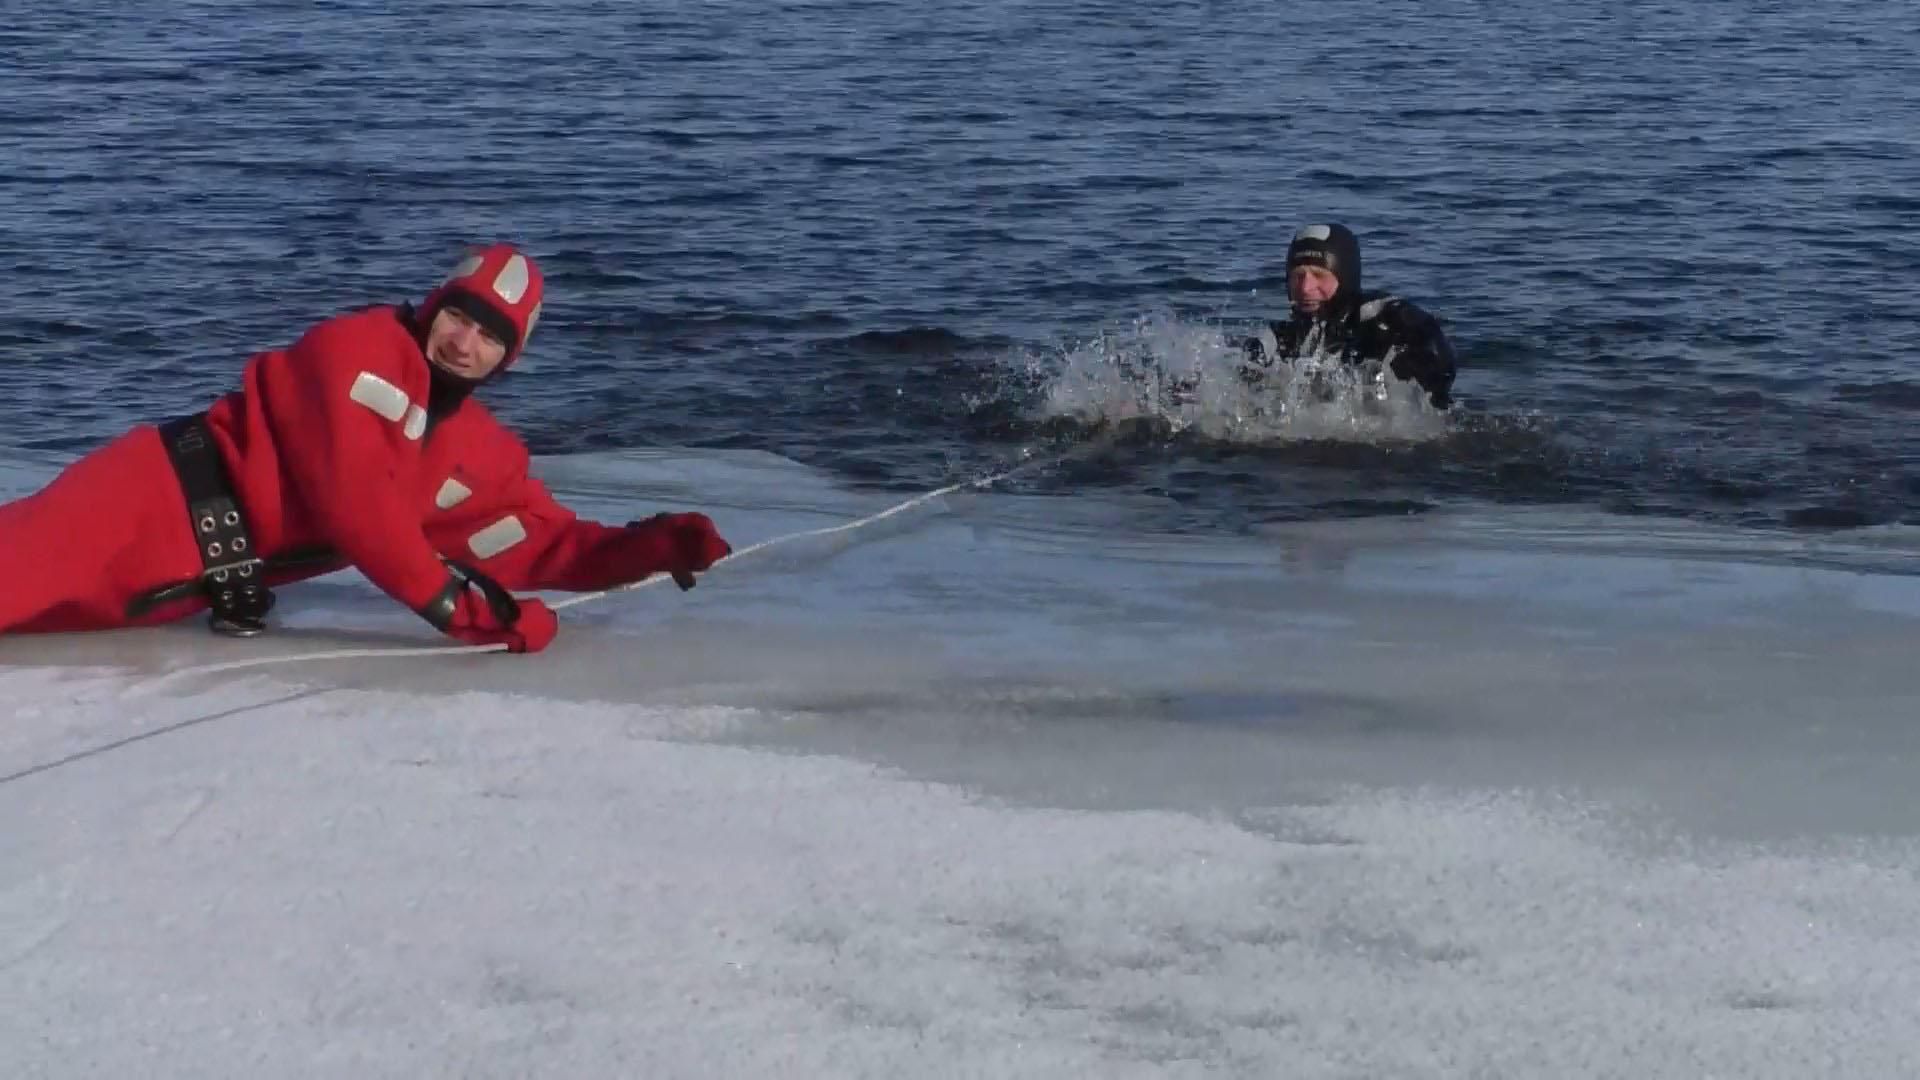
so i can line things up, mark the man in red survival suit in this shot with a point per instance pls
(357, 446)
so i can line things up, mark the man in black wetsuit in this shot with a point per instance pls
(1330, 315)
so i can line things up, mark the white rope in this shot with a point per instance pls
(651, 579)
(917, 500)
(338, 654)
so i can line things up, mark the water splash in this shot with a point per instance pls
(1193, 378)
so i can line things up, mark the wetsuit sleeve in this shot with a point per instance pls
(1422, 353)
(1258, 355)
(345, 432)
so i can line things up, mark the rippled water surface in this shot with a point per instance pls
(1674, 243)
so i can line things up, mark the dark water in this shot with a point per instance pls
(1676, 244)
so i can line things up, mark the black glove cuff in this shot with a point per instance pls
(446, 603)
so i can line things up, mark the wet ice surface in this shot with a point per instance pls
(1004, 789)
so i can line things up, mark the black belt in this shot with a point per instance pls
(232, 574)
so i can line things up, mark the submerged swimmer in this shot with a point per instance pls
(1330, 316)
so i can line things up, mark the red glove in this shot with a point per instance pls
(476, 623)
(681, 544)
(478, 611)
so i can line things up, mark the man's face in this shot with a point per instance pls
(1311, 287)
(459, 346)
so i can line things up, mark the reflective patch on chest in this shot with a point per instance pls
(452, 494)
(497, 537)
(416, 424)
(387, 401)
